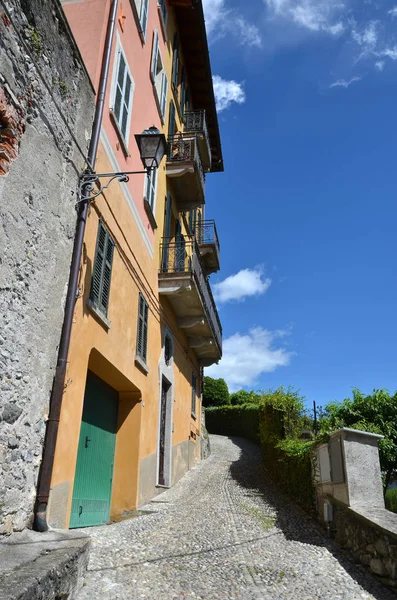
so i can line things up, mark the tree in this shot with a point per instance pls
(244, 397)
(376, 413)
(216, 392)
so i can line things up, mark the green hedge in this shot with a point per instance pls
(391, 500)
(286, 458)
(242, 421)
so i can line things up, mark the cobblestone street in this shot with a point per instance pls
(222, 532)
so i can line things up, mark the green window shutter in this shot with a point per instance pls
(102, 273)
(194, 391)
(142, 333)
(175, 61)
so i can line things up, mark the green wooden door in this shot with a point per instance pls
(95, 457)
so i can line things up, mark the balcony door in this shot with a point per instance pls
(180, 248)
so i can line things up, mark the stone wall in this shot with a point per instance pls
(371, 536)
(46, 109)
(205, 446)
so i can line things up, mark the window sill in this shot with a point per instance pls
(164, 487)
(163, 23)
(99, 315)
(119, 135)
(194, 416)
(140, 363)
(150, 214)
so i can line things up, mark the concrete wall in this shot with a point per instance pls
(42, 84)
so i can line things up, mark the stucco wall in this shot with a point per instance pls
(42, 84)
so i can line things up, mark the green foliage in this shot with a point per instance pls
(376, 413)
(244, 397)
(216, 392)
(391, 500)
(287, 459)
(241, 421)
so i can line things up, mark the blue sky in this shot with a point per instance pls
(306, 208)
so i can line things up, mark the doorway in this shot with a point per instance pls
(95, 457)
(164, 434)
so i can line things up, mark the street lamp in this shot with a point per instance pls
(152, 147)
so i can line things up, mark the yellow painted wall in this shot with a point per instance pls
(110, 353)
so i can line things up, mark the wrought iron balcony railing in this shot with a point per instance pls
(183, 256)
(206, 234)
(183, 148)
(208, 243)
(196, 121)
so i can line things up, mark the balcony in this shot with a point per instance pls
(185, 168)
(208, 243)
(182, 279)
(196, 122)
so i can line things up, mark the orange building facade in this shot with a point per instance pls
(145, 322)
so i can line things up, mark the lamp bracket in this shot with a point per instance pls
(89, 180)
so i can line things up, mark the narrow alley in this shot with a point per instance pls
(223, 532)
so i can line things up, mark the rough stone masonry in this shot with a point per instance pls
(46, 108)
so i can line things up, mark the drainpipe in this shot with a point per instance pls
(44, 481)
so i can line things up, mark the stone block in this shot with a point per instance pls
(370, 548)
(377, 567)
(366, 559)
(391, 567)
(381, 547)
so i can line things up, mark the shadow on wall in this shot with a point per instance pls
(248, 471)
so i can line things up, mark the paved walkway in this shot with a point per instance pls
(222, 532)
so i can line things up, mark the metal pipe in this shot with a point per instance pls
(44, 481)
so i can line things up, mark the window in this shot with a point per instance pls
(158, 75)
(150, 188)
(167, 350)
(194, 392)
(175, 61)
(100, 285)
(171, 119)
(123, 87)
(141, 342)
(187, 100)
(142, 14)
(162, 4)
(183, 91)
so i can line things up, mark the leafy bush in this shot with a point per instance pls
(391, 500)
(376, 413)
(242, 421)
(244, 397)
(216, 392)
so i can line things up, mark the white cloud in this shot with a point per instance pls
(227, 92)
(393, 12)
(388, 52)
(314, 15)
(380, 65)
(247, 282)
(220, 21)
(367, 38)
(344, 83)
(215, 12)
(246, 357)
